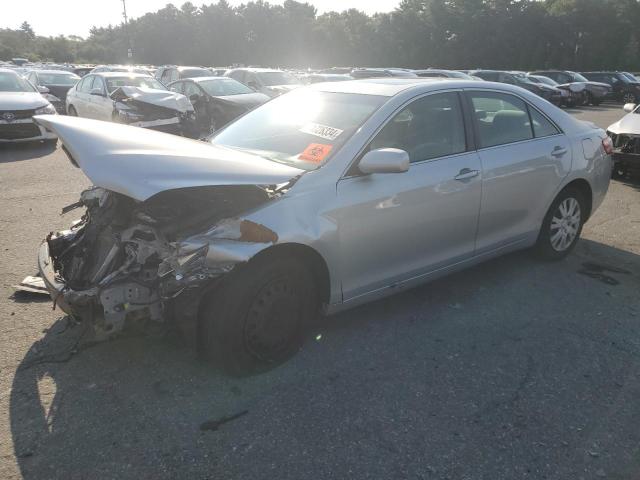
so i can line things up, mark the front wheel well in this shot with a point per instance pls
(308, 256)
(584, 188)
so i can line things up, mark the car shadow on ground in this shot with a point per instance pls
(25, 151)
(513, 357)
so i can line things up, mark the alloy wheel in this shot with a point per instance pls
(629, 98)
(565, 224)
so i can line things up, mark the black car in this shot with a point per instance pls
(57, 83)
(625, 87)
(597, 92)
(216, 101)
(549, 93)
(170, 73)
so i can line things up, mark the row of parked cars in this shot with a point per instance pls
(195, 101)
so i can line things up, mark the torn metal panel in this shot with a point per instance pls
(32, 284)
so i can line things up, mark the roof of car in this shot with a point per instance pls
(120, 74)
(36, 70)
(390, 86)
(8, 70)
(258, 70)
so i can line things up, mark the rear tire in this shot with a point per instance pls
(629, 97)
(258, 317)
(562, 225)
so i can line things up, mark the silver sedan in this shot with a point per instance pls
(322, 199)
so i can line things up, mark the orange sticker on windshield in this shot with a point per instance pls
(315, 152)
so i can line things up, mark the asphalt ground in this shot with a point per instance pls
(514, 369)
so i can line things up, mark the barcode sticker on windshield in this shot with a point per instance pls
(322, 131)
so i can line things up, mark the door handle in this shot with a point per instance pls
(466, 174)
(559, 151)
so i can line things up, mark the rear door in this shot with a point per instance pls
(81, 97)
(397, 227)
(524, 158)
(101, 105)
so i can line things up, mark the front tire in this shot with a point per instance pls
(259, 315)
(562, 225)
(72, 111)
(629, 97)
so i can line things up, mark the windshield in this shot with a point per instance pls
(454, 74)
(194, 72)
(221, 87)
(630, 76)
(145, 82)
(11, 82)
(276, 78)
(542, 79)
(302, 128)
(58, 78)
(578, 78)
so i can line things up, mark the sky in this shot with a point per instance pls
(76, 17)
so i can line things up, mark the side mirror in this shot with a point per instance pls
(253, 85)
(42, 89)
(194, 98)
(629, 107)
(96, 91)
(384, 160)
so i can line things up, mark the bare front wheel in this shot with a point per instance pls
(562, 225)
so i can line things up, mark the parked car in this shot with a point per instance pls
(381, 73)
(552, 94)
(130, 98)
(54, 85)
(121, 69)
(240, 241)
(264, 80)
(310, 78)
(19, 102)
(625, 88)
(625, 134)
(217, 101)
(573, 94)
(170, 73)
(596, 93)
(82, 70)
(437, 73)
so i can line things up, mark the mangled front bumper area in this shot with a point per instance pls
(626, 153)
(127, 262)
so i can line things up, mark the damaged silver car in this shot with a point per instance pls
(133, 99)
(625, 134)
(322, 199)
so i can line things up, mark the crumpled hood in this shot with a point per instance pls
(21, 100)
(629, 124)
(160, 98)
(140, 163)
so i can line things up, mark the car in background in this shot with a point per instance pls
(216, 101)
(54, 85)
(121, 68)
(625, 134)
(573, 94)
(310, 78)
(269, 81)
(130, 98)
(437, 73)
(549, 93)
(20, 100)
(596, 91)
(241, 242)
(82, 70)
(170, 73)
(625, 87)
(361, 73)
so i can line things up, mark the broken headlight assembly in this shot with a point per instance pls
(126, 115)
(46, 110)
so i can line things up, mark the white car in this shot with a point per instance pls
(625, 134)
(19, 102)
(130, 98)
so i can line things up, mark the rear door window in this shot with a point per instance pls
(500, 119)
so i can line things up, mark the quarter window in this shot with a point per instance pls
(428, 128)
(501, 119)
(541, 126)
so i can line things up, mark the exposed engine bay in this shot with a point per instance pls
(626, 154)
(127, 261)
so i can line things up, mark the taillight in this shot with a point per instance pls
(607, 144)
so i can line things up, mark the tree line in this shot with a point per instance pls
(501, 34)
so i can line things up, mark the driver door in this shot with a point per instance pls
(400, 226)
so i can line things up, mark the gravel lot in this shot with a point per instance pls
(514, 369)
